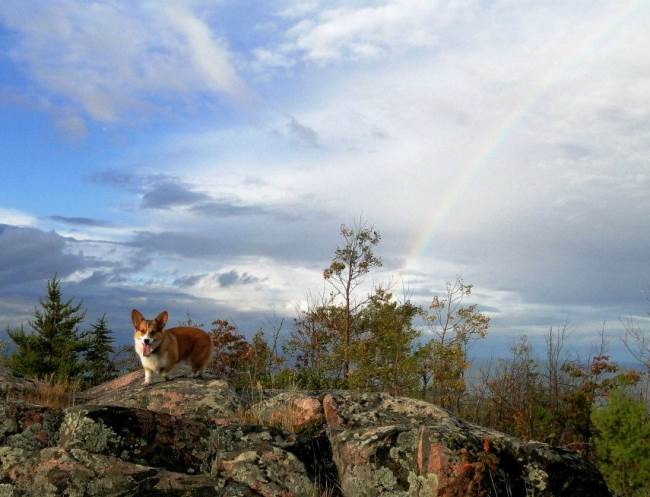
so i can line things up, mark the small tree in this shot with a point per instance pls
(385, 352)
(264, 360)
(232, 353)
(190, 322)
(313, 341)
(623, 444)
(454, 324)
(54, 346)
(511, 392)
(637, 342)
(98, 362)
(350, 264)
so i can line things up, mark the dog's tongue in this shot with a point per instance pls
(146, 349)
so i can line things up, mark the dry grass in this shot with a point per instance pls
(284, 417)
(51, 392)
(327, 491)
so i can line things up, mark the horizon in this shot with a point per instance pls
(206, 165)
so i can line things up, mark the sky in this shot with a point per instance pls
(200, 156)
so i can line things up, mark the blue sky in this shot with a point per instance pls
(200, 156)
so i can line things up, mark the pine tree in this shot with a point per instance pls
(54, 346)
(99, 366)
(385, 352)
(623, 444)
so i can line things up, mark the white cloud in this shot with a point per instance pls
(525, 123)
(538, 129)
(119, 60)
(16, 218)
(368, 30)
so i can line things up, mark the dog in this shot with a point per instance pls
(161, 349)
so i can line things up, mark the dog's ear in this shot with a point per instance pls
(136, 318)
(161, 319)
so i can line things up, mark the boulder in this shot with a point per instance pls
(385, 445)
(14, 388)
(113, 450)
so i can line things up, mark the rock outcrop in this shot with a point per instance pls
(198, 437)
(385, 445)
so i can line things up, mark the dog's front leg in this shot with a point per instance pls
(147, 376)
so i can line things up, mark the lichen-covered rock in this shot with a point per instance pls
(188, 446)
(28, 426)
(211, 400)
(140, 436)
(192, 438)
(260, 470)
(77, 473)
(266, 470)
(385, 445)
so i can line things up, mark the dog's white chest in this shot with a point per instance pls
(153, 361)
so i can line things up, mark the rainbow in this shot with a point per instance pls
(471, 167)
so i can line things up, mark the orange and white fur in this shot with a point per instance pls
(160, 350)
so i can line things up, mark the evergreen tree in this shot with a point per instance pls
(99, 366)
(385, 352)
(623, 444)
(54, 346)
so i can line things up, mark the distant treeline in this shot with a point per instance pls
(373, 341)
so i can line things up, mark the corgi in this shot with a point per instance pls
(160, 350)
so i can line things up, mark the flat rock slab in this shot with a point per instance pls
(211, 400)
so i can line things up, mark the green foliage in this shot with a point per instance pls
(3, 352)
(315, 343)
(587, 385)
(356, 257)
(54, 346)
(384, 353)
(98, 359)
(351, 262)
(623, 444)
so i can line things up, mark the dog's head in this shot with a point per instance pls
(148, 332)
